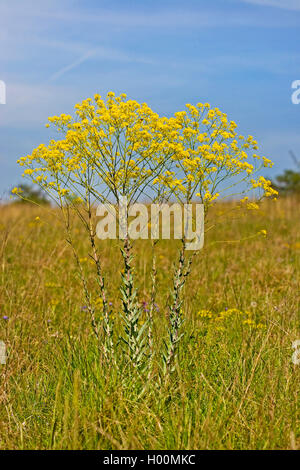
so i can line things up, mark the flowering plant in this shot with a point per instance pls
(118, 148)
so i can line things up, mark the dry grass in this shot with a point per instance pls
(234, 388)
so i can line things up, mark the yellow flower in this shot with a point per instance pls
(125, 146)
(16, 191)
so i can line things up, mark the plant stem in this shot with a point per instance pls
(175, 311)
(134, 336)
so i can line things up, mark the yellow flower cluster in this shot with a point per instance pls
(117, 144)
(16, 191)
(219, 320)
(121, 147)
(261, 182)
(208, 151)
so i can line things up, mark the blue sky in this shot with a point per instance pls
(239, 55)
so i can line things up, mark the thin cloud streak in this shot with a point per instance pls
(71, 66)
(154, 18)
(293, 5)
(104, 54)
(178, 18)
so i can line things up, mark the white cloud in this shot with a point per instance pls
(30, 105)
(283, 4)
(31, 27)
(174, 18)
(275, 63)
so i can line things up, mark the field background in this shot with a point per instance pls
(235, 386)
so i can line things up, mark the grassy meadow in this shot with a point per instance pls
(234, 384)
